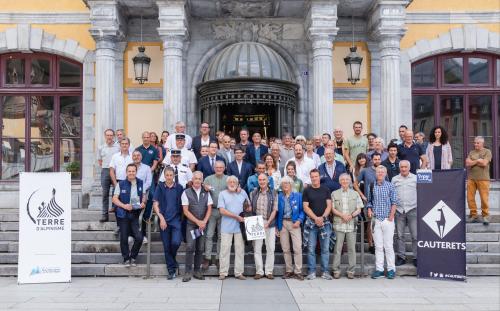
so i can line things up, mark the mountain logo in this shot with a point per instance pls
(47, 208)
(441, 219)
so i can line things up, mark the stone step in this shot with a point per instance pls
(159, 270)
(158, 258)
(156, 246)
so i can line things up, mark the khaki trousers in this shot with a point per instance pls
(270, 241)
(225, 253)
(286, 232)
(483, 186)
(350, 238)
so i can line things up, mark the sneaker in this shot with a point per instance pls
(473, 219)
(336, 274)
(400, 261)
(126, 263)
(486, 220)
(415, 262)
(326, 276)
(377, 274)
(104, 218)
(241, 277)
(391, 274)
(186, 277)
(171, 276)
(371, 249)
(311, 276)
(133, 263)
(222, 277)
(258, 276)
(144, 240)
(198, 275)
(299, 276)
(287, 275)
(350, 275)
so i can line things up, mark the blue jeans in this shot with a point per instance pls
(171, 238)
(324, 243)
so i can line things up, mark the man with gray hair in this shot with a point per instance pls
(180, 128)
(346, 205)
(406, 211)
(478, 163)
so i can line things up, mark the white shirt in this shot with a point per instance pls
(119, 162)
(187, 157)
(205, 142)
(185, 200)
(184, 174)
(144, 174)
(170, 144)
(315, 157)
(303, 168)
(406, 187)
(239, 164)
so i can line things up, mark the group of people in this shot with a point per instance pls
(306, 191)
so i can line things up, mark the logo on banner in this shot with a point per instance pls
(43, 270)
(441, 219)
(424, 176)
(44, 211)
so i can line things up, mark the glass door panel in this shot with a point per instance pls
(42, 133)
(452, 119)
(13, 136)
(423, 113)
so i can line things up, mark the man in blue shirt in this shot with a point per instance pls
(382, 202)
(412, 152)
(167, 205)
(331, 170)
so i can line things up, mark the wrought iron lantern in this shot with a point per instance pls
(353, 61)
(141, 63)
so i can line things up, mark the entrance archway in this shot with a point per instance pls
(248, 85)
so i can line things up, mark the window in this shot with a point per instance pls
(460, 92)
(40, 115)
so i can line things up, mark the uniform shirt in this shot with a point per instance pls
(406, 188)
(185, 200)
(106, 152)
(184, 174)
(168, 199)
(232, 202)
(144, 174)
(119, 162)
(149, 154)
(384, 196)
(303, 168)
(170, 144)
(187, 157)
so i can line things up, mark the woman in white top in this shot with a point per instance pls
(311, 154)
(272, 170)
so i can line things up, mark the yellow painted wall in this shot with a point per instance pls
(346, 112)
(43, 6)
(453, 5)
(341, 50)
(155, 76)
(143, 116)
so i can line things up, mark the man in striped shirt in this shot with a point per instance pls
(382, 202)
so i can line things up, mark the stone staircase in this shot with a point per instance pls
(96, 250)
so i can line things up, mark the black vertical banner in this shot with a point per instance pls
(441, 224)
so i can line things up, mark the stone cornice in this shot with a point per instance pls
(387, 20)
(452, 17)
(173, 19)
(107, 21)
(45, 17)
(321, 20)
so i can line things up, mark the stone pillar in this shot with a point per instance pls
(322, 29)
(119, 119)
(387, 21)
(174, 33)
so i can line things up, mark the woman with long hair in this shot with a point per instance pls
(291, 171)
(163, 139)
(439, 150)
(272, 170)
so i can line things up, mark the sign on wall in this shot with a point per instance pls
(254, 227)
(44, 228)
(441, 225)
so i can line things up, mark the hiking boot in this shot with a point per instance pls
(486, 220)
(377, 274)
(391, 274)
(473, 219)
(336, 274)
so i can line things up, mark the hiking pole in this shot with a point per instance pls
(362, 248)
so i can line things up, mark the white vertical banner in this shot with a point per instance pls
(44, 228)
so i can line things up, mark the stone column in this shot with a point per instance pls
(323, 86)
(387, 25)
(321, 24)
(174, 33)
(119, 119)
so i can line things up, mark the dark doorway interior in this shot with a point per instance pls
(255, 118)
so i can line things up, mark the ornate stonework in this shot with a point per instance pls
(246, 8)
(247, 31)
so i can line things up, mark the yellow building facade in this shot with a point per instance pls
(67, 73)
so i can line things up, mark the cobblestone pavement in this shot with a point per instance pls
(403, 293)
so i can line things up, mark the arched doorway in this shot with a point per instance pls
(248, 85)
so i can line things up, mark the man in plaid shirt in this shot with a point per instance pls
(382, 201)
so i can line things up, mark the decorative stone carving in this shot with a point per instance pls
(245, 8)
(247, 31)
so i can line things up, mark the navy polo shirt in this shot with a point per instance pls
(169, 200)
(148, 154)
(411, 154)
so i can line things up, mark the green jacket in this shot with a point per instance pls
(337, 203)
